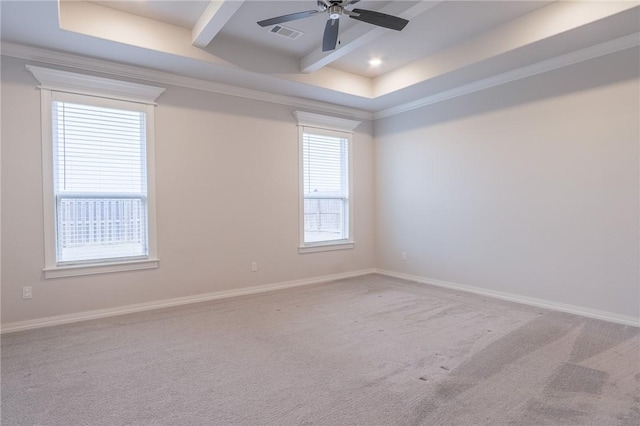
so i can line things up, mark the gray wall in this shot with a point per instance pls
(529, 188)
(227, 194)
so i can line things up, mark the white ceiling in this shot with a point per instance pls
(447, 45)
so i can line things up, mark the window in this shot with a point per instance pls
(325, 165)
(99, 180)
(325, 182)
(98, 175)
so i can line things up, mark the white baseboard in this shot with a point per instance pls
(540, 303)
(140, 307)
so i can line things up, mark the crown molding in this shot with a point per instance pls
(128, 71)
(581, 55)
(82, 63)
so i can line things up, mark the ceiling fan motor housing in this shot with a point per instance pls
(335, 11)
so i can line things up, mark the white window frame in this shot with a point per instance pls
(144, 97)
(330, 126)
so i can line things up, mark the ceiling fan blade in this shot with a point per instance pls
(330, 38)
(379, 19)
(287, 18)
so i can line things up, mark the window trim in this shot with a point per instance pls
(62, 81)
(331, 126)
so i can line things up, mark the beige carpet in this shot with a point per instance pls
(365, 351)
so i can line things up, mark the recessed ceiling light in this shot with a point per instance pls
(375, 62)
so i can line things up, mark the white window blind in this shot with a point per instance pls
(325, 171)
(100, 182)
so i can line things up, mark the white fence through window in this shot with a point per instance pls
(324, 218)
(90, 227)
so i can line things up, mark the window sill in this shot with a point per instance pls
(328, 246)
(99, 268)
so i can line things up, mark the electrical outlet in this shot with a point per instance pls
(26, 293)
(404, 256)
(254, 266)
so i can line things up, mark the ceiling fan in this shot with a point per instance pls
(335, 9)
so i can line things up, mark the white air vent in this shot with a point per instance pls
(286, 32)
